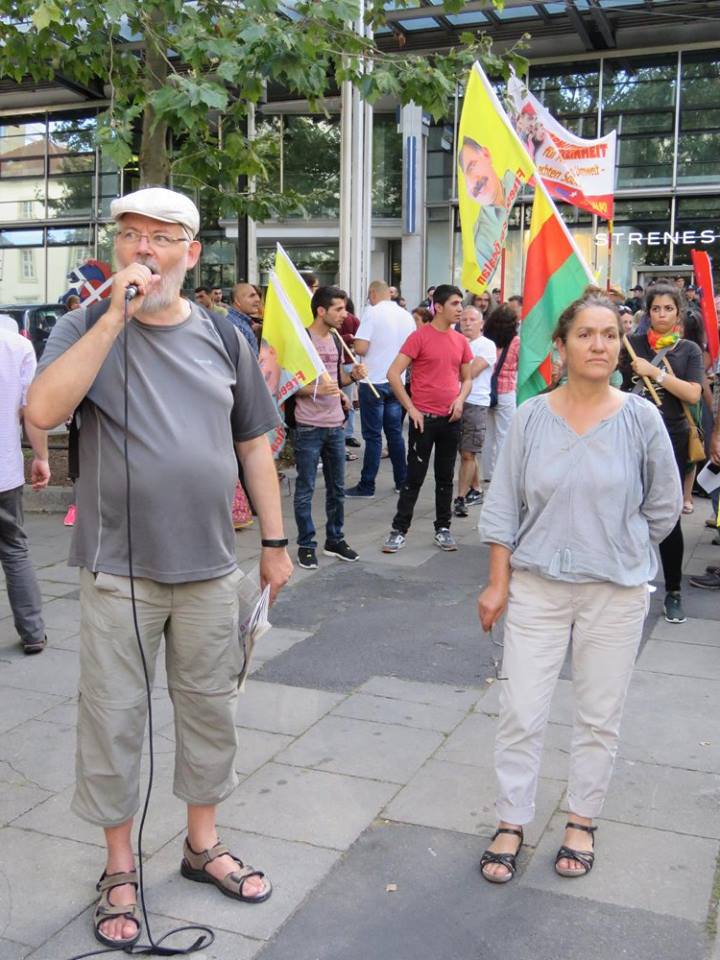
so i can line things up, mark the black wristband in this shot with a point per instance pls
(274, 543)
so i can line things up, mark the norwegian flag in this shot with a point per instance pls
(89, 281)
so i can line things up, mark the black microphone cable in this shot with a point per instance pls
(154, 947)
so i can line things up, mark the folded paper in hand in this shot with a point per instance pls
(254, 625)
(709, 477)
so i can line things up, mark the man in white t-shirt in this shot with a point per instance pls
(17, 368)
(383, 329)
(474, 418)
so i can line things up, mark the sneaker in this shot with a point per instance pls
(340, 550)
(359, 492)
(672, 607)
(352, 442)
(473, 497)
(444, 539)
(393, 542)
(709, 581)
(307, 558)
(459, 508)
(70, 516)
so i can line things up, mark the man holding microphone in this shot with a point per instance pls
(191, 407)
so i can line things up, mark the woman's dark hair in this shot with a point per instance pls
(350, 306)
(501, 326)
(443, 292)
(666, 290)
(423, 313)
(567, 317)
(694, 329)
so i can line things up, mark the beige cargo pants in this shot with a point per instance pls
(203, 659)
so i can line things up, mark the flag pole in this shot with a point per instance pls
(646, 380)
(610, 256)
(354, 359)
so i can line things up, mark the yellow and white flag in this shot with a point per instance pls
(288, 358)
(493, 165)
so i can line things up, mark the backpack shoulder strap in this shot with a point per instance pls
(92, 314)
(227, 333)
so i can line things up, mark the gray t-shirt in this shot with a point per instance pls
(180, 448)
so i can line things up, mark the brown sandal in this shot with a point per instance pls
(193, 867)
(105, 910)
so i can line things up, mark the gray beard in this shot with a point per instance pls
(167, 292)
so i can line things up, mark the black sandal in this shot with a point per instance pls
(506, 860)
(586, 858)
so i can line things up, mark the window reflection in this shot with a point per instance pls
(699, 145)
(570, 95)
(639, 102)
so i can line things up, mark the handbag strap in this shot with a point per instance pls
(683, 403)
(656, 361)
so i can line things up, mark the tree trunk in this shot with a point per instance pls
(154, 159)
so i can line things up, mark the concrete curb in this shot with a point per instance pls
(49, 500)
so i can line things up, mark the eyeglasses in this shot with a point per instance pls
(161, 241)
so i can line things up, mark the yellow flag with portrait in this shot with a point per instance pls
(492, 167)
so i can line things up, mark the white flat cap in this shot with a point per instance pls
(160, 204)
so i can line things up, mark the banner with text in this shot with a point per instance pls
(580, 172)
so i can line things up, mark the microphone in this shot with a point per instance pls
(132, 290)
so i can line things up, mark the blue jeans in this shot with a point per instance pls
(376, 415)
(349, 392)
(313, 444)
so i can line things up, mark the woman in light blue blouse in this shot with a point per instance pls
(585, 484)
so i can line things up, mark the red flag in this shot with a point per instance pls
(704, 280)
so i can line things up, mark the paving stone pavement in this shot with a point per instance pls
(366, 783)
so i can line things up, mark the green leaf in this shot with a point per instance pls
(45, 14)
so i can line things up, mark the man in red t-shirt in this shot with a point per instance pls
(441, 381)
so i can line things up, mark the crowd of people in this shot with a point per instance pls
(577, 487)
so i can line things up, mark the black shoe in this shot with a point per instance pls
(34, 646)
(307, 558)
(672, 607)
(473, 497)
(459, 508)
(352, 442)
(340, 550)
(359, 492)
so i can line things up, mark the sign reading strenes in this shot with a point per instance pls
(657, 238)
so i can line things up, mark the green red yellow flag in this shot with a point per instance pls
(288, 358)
(555, 275)
(492, 165)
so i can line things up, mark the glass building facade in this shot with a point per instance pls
(56, 187)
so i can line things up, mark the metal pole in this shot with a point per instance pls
(251, 243)
(453, 185)
(345, 224)
(367, 179)
(522, 246)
